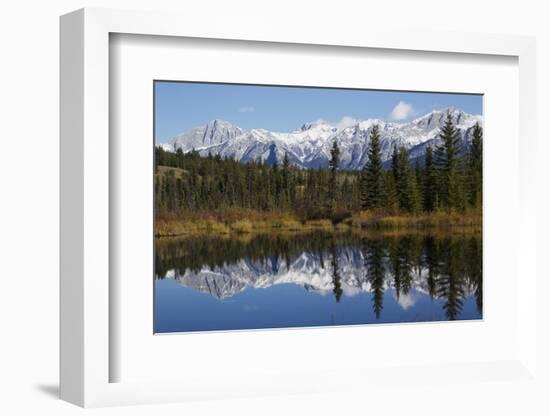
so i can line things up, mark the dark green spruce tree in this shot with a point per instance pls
(391, 200)
(286, 182)
(401, 172)
(414, 196)
(374, 181)
(430, 182)
(333, 182)
(447, 158)
(475, 167)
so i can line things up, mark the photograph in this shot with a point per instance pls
(300, 206)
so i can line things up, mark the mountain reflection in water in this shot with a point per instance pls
(267, 281)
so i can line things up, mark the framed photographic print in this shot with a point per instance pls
(271, 221)
(239, 212)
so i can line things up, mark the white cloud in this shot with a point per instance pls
(346, 121)
(247, 110)
(320, 121)
(402, 111)
(406, 301)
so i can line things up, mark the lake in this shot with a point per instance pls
(316, 279)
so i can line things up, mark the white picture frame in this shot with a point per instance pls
(85, 344)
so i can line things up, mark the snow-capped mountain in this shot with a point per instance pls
(309, 146)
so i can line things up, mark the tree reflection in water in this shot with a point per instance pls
(447, 268)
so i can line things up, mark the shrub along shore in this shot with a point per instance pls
(237, 221)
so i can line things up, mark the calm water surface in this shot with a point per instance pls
(318, 279)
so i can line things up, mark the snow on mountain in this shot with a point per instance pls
(215, 133)
(309, 146)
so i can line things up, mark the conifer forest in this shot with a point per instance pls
(447, 180)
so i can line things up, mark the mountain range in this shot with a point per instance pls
(309, 146)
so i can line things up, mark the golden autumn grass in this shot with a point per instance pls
(439, 219)
(242, 221)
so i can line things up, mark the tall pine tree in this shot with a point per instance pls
(374, 185)
(414, 197)
(333, 183)
(430, 181)
(401, 173)
(475, 167)
(391, 200)
(447, 158)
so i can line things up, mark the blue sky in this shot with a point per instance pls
(180, 106)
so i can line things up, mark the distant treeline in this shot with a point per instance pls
(449, 179)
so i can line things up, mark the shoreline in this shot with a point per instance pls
(252, 222)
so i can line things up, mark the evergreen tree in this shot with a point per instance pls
(333, 165)
(157, 159)
(374, 185)
(286, 181)
(160, 156)
(419, 174)
(395, 163)
(430, 181)
(476, 167)
(179, 158)
(346, 196)
(249, 178)
(391, 200)
(401, 172)
(363, 188)
(414, 197)
(447, 161)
